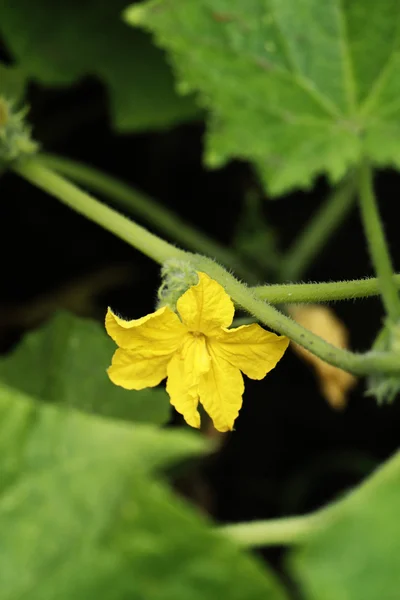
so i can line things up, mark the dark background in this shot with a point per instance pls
(291, 452)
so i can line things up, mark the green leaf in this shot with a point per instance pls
(57, 43)
(298, 87)
(81, 517)
(255, 238)
(65, 362)
(357, 556)
(12, 83)
(33, 435)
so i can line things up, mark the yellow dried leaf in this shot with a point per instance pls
(321, 320)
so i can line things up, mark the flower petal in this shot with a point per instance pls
(221, 390)
(206, 307)
(134, 370)
(184, 371)
(250, 348)
(162, 331)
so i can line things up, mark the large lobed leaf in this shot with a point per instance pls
(57, 43)
(81, 517)
(65, 361)
(298, 87)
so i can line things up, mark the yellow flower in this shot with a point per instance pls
(202, 359)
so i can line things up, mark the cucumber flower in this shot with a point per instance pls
(201, 358)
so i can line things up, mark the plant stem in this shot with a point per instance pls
(160, 251)
(96, 211)
(377, 244)
(359, 364)
(275, 532)
(320, 292)
(152, 212)
(332, 212)
(294, 530)
(316, 233)
(168, 222)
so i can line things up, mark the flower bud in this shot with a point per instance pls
(15, 135)
(177, 277)
(385, 387)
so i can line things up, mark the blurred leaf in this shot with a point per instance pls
(58, 42)
(33, 435)
(12, 83)
(335, 383)
(298, 87)
(255, 239)
(81, 518)
(357, 556)
(65, 362)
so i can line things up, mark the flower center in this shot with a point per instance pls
(197, 334)
(201, 357)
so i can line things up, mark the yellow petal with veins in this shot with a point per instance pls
(221, 389)
(334, 382)
(184, 372)
(137, 370)
(206, 307)
(250, 348)
(160, 332)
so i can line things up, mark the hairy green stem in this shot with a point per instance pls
(331, 213)
(152, 212)
(377, 244)
(316, 233)
(320, 292)
(160, 251)
(359, 364)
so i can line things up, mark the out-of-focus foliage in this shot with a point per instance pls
(82, 518)
(335, 383)
(57, 43)
(12, 83)
(255, 239)
(65, 361)
(357, 555)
